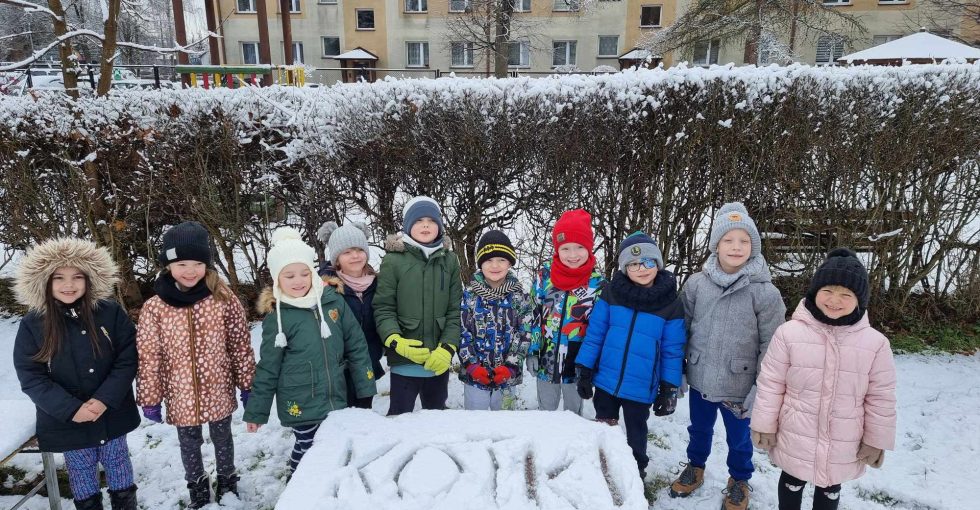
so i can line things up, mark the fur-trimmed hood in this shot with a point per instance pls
(396, 242)
(41, 261)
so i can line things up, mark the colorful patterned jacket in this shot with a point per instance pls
(496, 331)
(560, 319)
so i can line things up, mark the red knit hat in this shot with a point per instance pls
(574, 226)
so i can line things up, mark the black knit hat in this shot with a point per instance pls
(494, 243)
(842, 268)
(186, 241)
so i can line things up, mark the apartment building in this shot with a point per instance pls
(416, 35)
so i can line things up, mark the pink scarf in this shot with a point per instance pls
(357, 284)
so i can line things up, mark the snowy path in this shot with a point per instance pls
(938, 439)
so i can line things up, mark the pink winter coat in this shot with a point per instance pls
(823, 390)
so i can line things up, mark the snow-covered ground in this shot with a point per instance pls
(939, 416)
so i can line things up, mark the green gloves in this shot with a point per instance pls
(441, 359)
(409, 348)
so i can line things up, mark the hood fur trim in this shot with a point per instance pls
(396, 242)
(43, 260)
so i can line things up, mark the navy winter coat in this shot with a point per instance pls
(636, 338)
(364, 311)
(75, 375)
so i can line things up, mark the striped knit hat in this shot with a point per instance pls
(494, 243)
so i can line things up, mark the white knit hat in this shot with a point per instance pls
(289, 248)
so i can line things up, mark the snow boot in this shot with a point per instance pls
(124, 499)
(226, 484)
(200, 492)
(736, 495)
(690, 480)
(93, 502)
(612, 422)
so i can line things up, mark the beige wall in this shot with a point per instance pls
(394, 28)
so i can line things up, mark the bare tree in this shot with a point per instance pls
(947, 18)
(760, 23)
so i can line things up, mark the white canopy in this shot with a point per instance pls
(918, 46)
(356, 54)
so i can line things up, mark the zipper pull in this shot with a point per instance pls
(106, 333)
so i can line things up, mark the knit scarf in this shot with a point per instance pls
(165, 286)
(486, 291)
(566, 278)
(358, 284)
(712, 269)
(847, 320)
(644, 299)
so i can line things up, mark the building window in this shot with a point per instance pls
(416, 5)
(837, 2)
(459, 5)
(566, 5)
(829, 49)
(706, 52)
(608, 45)
(328, 2)
(294, 6)
(246, 5)
(298, 57)
(250, 53)
(520, 54)
(365, 19)
(650, 15)
(882, 39)
(418, 54)
(564, 53)
(462, 54)
(331, 46)
(522, 5)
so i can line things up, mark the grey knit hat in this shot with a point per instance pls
(639, 246)
(730, 217)
(338, 239)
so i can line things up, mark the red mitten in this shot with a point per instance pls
(478, 373)
(501, 374)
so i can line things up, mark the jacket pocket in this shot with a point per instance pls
(693, 357)
(441, 324)
(408, 326)
(743, 366)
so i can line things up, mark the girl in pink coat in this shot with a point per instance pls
(825, 406)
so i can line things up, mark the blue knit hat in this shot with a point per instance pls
(639, 246)
(418, 208)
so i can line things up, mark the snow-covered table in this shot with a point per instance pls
(17, 419)
(510, 460)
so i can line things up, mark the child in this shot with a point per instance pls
(416, 308)
(348, 271)
(634, 348)
(815, 435)
(194, 349)
(308, 336)
(563, 294)
(75, 357)
(732, 310)
(496, 315)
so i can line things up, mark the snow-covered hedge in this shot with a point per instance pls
(881, 158)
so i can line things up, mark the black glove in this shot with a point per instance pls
(666, 401)
(584, 382)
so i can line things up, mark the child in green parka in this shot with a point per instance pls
(308, 335)
(416, 308)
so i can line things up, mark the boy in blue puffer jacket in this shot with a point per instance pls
(634, 348)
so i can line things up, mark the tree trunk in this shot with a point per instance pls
(754, 34)
(110, 29)
(68, 65)
(180, 34)
(501, 43)
(265, 54)
(209, 15)
(287, 34)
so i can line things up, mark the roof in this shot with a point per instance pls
(638, 54)
(357, 53)
(918, 46)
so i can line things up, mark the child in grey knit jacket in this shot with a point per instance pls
(732, 310)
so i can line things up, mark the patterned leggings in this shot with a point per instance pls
(304, 441)
(83, 468)
(191, 438)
